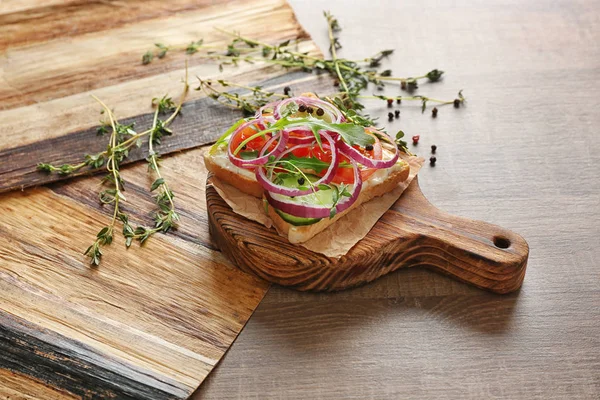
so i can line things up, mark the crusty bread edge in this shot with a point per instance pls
(300, 234)
(243, 183)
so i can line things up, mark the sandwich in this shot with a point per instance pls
(310, 162)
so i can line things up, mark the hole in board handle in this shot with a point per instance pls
(501, 242)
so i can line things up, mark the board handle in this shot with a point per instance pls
(482, 254)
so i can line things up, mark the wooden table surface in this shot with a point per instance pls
(524, 154)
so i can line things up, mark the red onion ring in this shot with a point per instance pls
(335, 115)
(314, 211)
(307, 135)
(263, 158)
(270, 106)
(269, 186)
(366, 161)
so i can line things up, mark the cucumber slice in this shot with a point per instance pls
(297, 221)
(324, 197)
(292, 181)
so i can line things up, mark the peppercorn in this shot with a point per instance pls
(403, 85)
(302, 108)
(286, 90)
(397, 113)
(369, 147)
(390, 102)
(336, 83)
(320, 112)
(244, 147)
(391, 116)
(415, 139)
(398, 101)
(432, 161)
(433, 148)
(434, 112)
(456, 103)
(301, 181)
(310, 110)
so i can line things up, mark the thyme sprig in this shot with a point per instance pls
(353, 75)
(248, 103)
(165, 217)
(95, 161)
(160, 50)
(109, 196)
(122, 138)
(424, 99)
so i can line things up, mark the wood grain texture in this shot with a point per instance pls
(149, 323)
(523, 154)
(203, 122)
(45, 22)
(67, 65)
(20, 387)
(413, 233)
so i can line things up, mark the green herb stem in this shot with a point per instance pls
(154, 163)
(407, 98)
(268, 46)
(332, 46)
(249, 103)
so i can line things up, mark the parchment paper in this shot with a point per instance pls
(337, 239)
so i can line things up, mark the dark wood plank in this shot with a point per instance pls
(22, 387)
(524, 154)
(62, 362)
(201, 122)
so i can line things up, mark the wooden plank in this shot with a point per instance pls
(524, 153)
(58, 360)
(22, 387)
(16, 6)
(65, 66)
(29, 24)
(55, 118)
(202, 121)
(148, 323)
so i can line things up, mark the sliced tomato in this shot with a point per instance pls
(344, 173)
(253, 145)
(376, 154)
(321, 154)
(302, 152)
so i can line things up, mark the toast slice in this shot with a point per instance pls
(378, 184)
(218, 163)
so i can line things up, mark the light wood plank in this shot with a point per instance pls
(61, 67)
(167, 311)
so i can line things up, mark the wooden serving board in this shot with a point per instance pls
(148, 323)
(413, 233)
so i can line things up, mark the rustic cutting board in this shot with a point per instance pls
(413, 233)
(148, 323)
